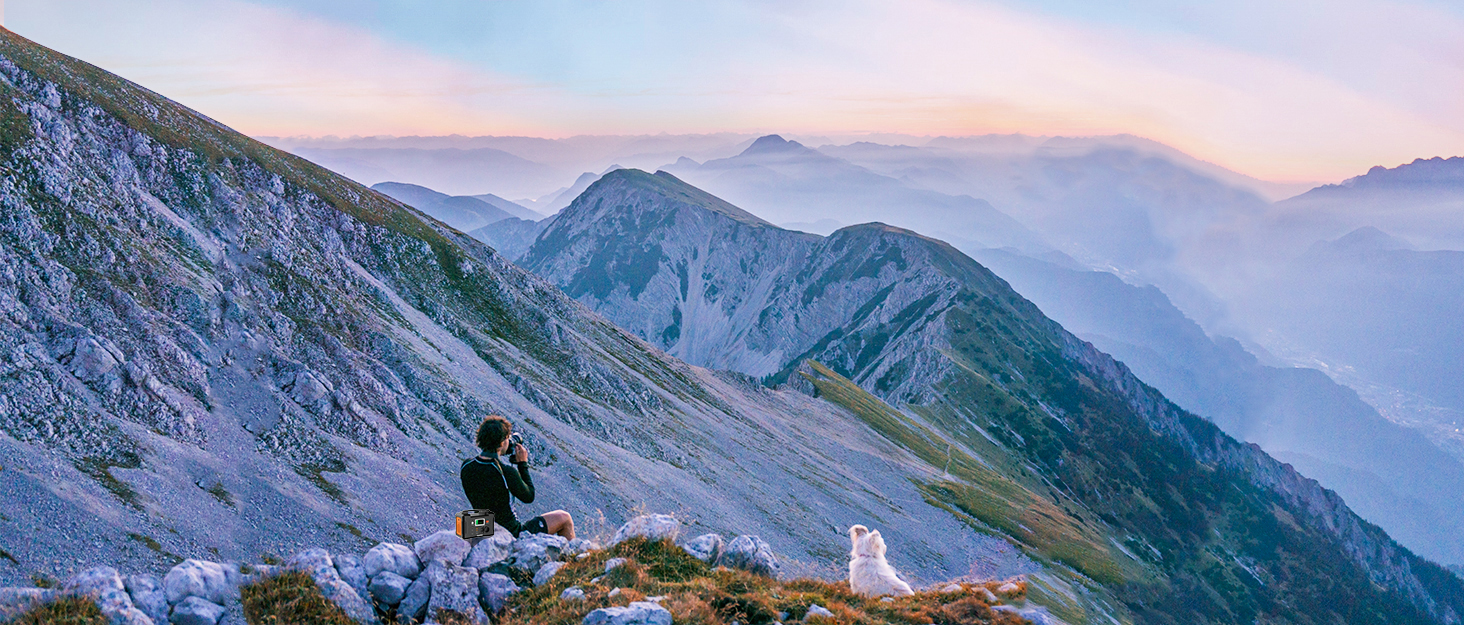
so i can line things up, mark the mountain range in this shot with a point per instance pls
(215, 347)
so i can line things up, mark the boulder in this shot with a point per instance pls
(195, 610)
(147, 595)
(535, 550)
(413, 607)
(490, 549)
(318, 564)
(573, 593)
(579, 547)
(352, 573)
(454, 588)
(399, 559)
(950, 588)
(649, 526)
(442, 545)
(1009, 588)
(494, 590)
(637, 613)
(751, 554)
(818, 610)
(197, 578)
(614, 563)
(104, 586)
(707, 547)
(388, 588)
(987, 596)
(546, 572)
(1038, 616)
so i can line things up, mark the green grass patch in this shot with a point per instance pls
(63, 611)
(976, 489)
(697, 594)
(314, 473)
(289, 599)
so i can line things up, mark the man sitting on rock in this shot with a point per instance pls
(488, 484)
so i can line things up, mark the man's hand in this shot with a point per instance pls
(520, 454)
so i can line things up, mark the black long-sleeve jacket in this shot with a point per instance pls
(488, 486)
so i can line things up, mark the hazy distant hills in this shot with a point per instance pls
(785, 181)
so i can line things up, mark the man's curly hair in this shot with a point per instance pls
(492, 432)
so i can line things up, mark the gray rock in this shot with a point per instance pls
(442, 545)
(650, 526)
(637, 613)
(751, 554)
(535, 550)
(490, 549)
(352, 572)
(987, 596)
(707, 547)
(17, 601)
(573, 593)
(494, 591)
(950, 588)
(195, 610)
(399, 559)
(197, 578)
(318, 564)
(413, 607)
(1038, 616)
(388, 588)
(579, 547)
(818, 610)
(454, 588)
(104, 586)
(614, 563)
(147, 595)
(546, 572)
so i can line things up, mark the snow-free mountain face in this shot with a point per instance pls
(998, 394)
(210, 348)
(785, 181)
(1389, 474)
(465, 213)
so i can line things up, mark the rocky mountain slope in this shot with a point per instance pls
(210, 348)
(1069, 453)
(463, 212)
(1389, 474)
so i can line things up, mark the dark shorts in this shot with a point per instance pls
(536, 525)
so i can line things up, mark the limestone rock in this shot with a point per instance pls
(546, 572)
(352, 573)
(707, 547)
(573, 593)
(195, 610)
(318, 564)
(637, 613)
(399, 559)
(388, 588)
(413, 607)
(490, 549)
(1009, 588)
(650, 526)
(147, 595)
(535, 550)
(580, 546)
(455, 588)
(614, 563)
(494, 590)
(442, 545)
(818, 610)
(197, 578)
(751, 554)
(104, 586)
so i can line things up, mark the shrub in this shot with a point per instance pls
(63, 611)
(290, 599)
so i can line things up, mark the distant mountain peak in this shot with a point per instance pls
(1367, 239)
(773, 144)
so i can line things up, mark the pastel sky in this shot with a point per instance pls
(1278, 89)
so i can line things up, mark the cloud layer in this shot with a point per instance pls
(1290, 90)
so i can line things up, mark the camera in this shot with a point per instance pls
(514, 439)
(474, 523)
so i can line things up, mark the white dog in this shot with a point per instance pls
(870, 575)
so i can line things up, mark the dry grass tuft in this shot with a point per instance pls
(697, 594)
(63, 611)
(290, 599)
